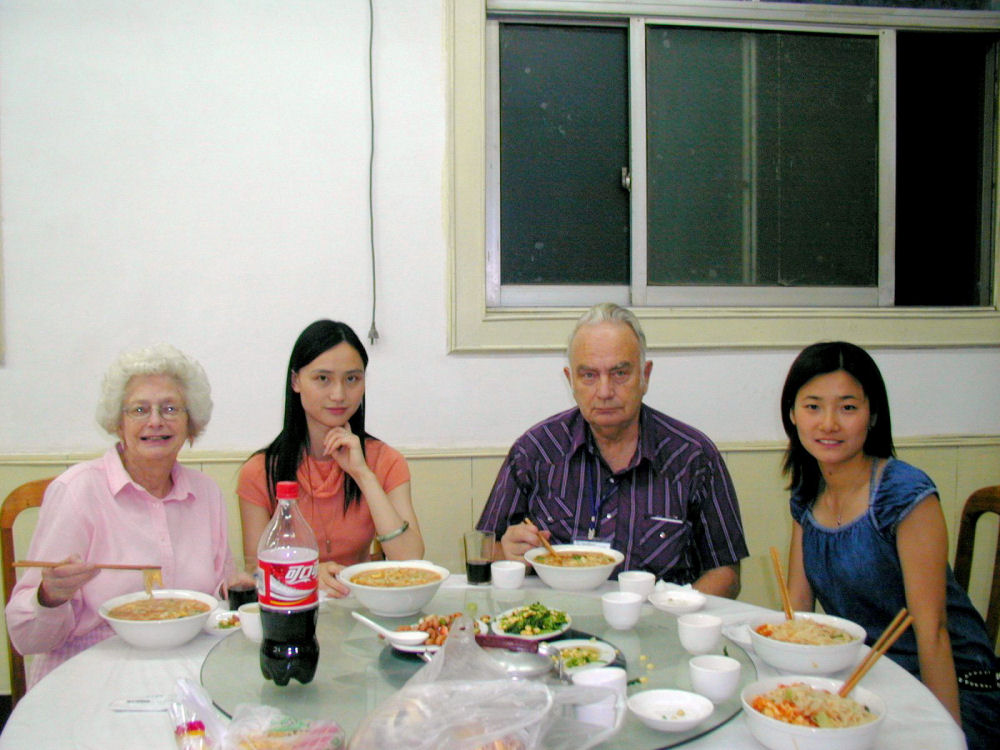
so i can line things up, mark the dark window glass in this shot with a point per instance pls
(564, 216)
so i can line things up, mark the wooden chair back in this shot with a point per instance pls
(985, 500)
(28, 495)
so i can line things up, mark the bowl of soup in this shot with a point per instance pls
(394, 588)
(804, 712)
(574, 567)
(165, 619)
(811, 643)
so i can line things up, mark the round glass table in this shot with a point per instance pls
(357, 670)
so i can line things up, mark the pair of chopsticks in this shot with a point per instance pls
(104, 566)
(889, 636)
(545, 542)
(786, 600)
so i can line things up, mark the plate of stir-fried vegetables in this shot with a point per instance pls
(535, 622)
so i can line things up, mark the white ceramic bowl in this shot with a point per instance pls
(779, 735)
(670, 710)
(569, 578)
(159, 633)
(799, 658)
(399, 601)
(678, 601)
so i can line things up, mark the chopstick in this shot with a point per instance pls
(545, 542)
(786, 600)
(104, 566)
(889, 636)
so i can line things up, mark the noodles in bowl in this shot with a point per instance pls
(806, 631)
(169, 618)
(805, 712)
(810, 643)
(578, 567)
(395, 577)
(394, 588)
(806, 706)
(158, 608)
(575, 560)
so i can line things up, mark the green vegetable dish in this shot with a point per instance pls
(533, 619)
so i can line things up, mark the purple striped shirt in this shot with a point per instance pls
(672, 512)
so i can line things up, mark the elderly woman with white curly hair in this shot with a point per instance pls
(135, 504)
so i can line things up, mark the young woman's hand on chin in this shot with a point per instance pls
(345, 448)
(328, 580)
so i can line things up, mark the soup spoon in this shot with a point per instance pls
(395, 637)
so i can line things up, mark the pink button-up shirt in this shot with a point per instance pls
(96, 511)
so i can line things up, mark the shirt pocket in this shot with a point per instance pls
(664, 540)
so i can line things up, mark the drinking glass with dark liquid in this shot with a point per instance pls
(242, 584)
(478, 556)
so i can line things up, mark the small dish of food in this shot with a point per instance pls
(578, 654)
(678, 601)
(222, 623)
(670, 710)
(534, 622)
(437, 628)
(805, 712)
(574, 567)
(394, 588)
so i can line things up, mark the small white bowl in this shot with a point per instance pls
(507, 574)
(678, 601)
(779, 735)
(800, 658)
(637, 582)
(393, 601)
(159, 633)
(250, 621)
(670, 710)
(567, 578)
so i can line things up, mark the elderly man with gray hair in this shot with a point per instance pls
(615, 472)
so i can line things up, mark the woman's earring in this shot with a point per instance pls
(872, 423)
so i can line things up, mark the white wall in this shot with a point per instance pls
(196, 171)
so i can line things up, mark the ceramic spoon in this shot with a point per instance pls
(395, 637)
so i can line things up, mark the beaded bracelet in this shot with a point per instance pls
(392, 534)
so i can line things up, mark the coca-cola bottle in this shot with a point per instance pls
(288, 564)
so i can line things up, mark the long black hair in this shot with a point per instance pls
(821, 359)
(284, 455)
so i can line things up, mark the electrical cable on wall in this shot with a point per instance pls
(373, 331)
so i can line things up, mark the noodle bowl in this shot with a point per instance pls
(818, 643)
(803, 699)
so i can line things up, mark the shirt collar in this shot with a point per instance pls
(583, 438)
(119, 478)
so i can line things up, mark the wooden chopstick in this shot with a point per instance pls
(889, 636)
(786, 600)
(105, 566)
(545, 542)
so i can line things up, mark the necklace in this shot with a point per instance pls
(839, 512)
(313, 511)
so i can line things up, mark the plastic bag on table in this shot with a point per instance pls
(267, 728)
(464, 700)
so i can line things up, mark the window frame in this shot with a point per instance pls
(478, 325)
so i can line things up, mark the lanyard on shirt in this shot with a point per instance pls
(596, 498)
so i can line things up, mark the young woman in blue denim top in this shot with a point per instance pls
(869, 535)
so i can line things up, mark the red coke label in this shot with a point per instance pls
(288, 578)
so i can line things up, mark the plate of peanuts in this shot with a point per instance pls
(437, 628)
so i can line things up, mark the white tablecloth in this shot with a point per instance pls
(71, 707)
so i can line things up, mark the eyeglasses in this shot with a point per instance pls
(168, 412)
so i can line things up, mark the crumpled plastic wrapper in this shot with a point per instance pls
(198, 726)
(464, 700)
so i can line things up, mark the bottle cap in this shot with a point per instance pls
(287, 490)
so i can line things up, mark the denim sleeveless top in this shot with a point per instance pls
(855, 572)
